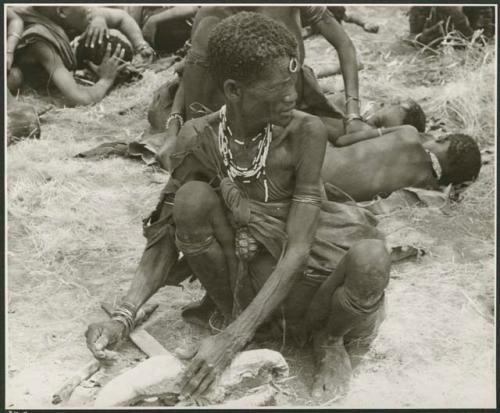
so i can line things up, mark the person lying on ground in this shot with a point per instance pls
(198, 92)
(429, 25)
(341, 15)
(44, 52)
(244, 205)
(375, 163)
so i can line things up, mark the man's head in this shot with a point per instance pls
(459, 157)
(253, 58)
(407, 112)
(70, 18)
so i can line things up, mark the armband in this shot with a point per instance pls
(307, 199)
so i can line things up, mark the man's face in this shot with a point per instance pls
(388, 116)
(272, 98)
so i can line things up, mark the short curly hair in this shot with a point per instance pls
(464, 160)
(414, 115)
(242, 45)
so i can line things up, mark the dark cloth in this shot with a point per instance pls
(169, 37)
(311, 98)
(340, 225)
(38, 27)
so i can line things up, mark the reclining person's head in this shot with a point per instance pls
(70, 18)
(459, 157)
(407, 112)
(254, 60)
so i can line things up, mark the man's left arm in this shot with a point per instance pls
(334, 33)
(216, 352)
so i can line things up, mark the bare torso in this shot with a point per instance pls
(377, 166)
(285, 154)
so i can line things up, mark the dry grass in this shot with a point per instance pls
(74, 238)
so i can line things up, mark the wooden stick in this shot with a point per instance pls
(70, 385)
(150, 345)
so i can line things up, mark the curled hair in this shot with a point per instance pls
(464, 160)
(414, 115)
(241, 46)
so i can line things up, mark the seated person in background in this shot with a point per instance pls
(44, 51)
(397, 113)
(251, 223)
(166, 28)
(197, 90)
(429, 25)
(380, 161)
(340, 14)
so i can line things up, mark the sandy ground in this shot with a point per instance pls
(74, 240)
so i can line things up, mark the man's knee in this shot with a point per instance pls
(367, 270)
(193, 203)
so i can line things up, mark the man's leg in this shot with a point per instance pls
(206, 238)
(365, 274)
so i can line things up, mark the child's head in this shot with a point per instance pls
(407, 112)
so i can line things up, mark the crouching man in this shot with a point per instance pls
(244, 205)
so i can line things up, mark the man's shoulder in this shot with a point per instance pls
(304, 128)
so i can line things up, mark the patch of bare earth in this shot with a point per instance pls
(74, 240)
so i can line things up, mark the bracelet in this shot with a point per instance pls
(10, 51)
(142, 46)
(173, 116)
(353, 116)
(14, 35)
(125, 314)
(349, 98)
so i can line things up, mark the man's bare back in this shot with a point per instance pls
(379, 166)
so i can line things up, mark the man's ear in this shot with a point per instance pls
(232, 90)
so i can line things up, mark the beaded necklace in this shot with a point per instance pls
(258, 166)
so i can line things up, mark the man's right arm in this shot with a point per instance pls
(364, 135)
(63, 79)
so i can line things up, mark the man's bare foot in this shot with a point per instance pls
(371, 27)
(333, 368)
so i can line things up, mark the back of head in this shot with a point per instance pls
(242, 45)
(96, 54)
(463, 160)
(414, 115)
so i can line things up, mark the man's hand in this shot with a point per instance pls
(96, 31)
(149, 30)
(144, 55)
(356, 125)
(111, 65)
(101, 336)
(213, 356)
